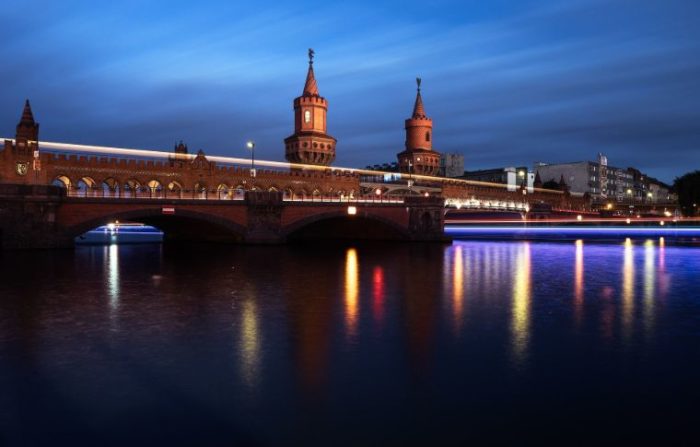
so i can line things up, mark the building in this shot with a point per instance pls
(514, 177)
(452, 165)
(660, 192)
(606, 183)
(310, 144)
(419, 156)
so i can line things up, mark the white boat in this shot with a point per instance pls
(121, 233)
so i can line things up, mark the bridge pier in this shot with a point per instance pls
(264, 217)
(426, 218)
(28, 217)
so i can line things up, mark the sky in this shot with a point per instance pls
(507, 83)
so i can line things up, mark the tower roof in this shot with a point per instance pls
(310, 87)
(418, 109)
(27, 115)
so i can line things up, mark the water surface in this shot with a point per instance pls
(470, 343)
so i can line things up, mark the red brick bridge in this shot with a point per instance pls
(48, 198)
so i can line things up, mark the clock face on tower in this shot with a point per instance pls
(21, 167)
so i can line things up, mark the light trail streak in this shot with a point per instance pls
(573, 231)
(150, 153)
(573, 221)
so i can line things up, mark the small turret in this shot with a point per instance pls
(27, 129)
(180, 148)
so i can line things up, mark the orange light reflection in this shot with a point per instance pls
(458, 287)
(352, 286)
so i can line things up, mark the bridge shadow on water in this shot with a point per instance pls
(347, 228)
(195, 229)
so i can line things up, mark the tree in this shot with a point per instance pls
(687, 188)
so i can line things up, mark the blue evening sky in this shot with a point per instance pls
(506, 82)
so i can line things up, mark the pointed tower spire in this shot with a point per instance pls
(418, 110)
(27, 115)
(538, 180)
(27, 129)
(310, 88)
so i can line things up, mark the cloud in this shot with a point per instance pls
(505, 85)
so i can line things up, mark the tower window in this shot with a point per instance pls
(427, 136)
(307, 116)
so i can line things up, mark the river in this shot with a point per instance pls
(474, 342)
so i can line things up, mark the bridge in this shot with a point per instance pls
(48, 197)
(51, 192)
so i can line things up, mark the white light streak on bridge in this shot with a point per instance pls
(149, 153)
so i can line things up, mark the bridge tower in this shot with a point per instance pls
(21, 162)
(310, 143)
(419, 156)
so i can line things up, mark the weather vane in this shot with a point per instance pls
(418, 82)
(311, 55)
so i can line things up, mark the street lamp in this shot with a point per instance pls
(251, 145)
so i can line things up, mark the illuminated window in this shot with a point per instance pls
(307, 116)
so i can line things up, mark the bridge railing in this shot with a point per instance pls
(148, 193)
(218, 195)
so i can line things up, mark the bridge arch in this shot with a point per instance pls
(340, 225)
(155, 188)
(200, 190)
(85, 186)
(175, 188)
(186, 225)
(63, 181)
(224, 191)
(131, 187)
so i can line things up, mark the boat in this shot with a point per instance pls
(121, 233)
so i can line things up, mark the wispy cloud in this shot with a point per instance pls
(508, 84)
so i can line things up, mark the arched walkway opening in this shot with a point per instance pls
(85, 187)
(155, 189)
(110, 187)
(200, 190)
(224, 191)
(175, 189)
(63, 182)
(131, 188)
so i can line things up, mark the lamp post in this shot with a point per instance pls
(251, 145)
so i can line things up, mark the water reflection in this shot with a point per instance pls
(352, 285)
(111, 256)
(378, 292)
(457, 287)
(520, 324)
(628, 288)
(649, 284)
(664, 277)
(578, 282)
(249, 343)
